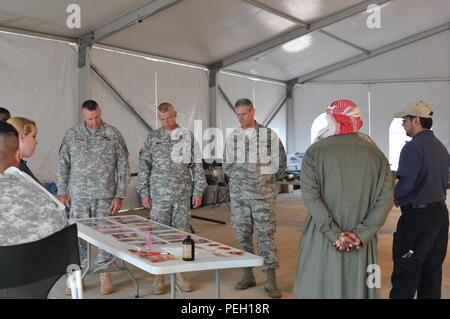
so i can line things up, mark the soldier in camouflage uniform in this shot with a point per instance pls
(93, 170)
(254, 159)
(164, 182)
(27, 211)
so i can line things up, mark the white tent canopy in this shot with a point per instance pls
(291, 57)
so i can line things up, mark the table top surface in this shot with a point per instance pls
(120, 234)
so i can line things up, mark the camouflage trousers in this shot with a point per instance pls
(89, 208)
(174, 214)
(257, 213)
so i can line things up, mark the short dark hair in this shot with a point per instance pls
(91, 105)
(4, 114)
(9, 142)
(164, 107)
(8, 129)
(243, 102)
(3, 110)
(426, 123)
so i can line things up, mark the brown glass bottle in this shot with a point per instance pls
(188, 249)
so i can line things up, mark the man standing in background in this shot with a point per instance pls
(164, 181)
(92, 176)
(253, 190)
(420, 242)
(346, 185)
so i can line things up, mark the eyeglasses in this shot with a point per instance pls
(407, 118)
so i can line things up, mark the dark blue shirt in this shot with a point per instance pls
(424, 161)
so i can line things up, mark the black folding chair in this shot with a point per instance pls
(29, 271)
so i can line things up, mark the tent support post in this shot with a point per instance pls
(290, 117)
(213, 97)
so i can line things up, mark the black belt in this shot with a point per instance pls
(429, 205)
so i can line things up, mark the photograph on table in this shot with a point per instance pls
(109, 227)
(106, 231)
(200, 240)
(128, 240)
(131, 220)
(154, 258)
(126, 235)
(172, 236)
(139, 245)
(154, 228)
(95, 222)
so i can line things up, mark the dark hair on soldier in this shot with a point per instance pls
(9, 143)
(3, 110)
(7, 129)
(4, 114)
(91, 105)
(426, 123)
(243, 102)
(164, 107)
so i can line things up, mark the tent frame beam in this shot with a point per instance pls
(121, 23)
(277, 41)
(302, 23)
(103, 78)
(381, 50)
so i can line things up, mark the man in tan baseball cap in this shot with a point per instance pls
(417, 117)
(420, 109)
(421, 193)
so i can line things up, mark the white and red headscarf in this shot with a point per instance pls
(343, 117)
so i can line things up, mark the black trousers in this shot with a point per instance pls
(419, 249)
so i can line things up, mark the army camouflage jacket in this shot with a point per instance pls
(166, 164)
(254, 159)
(93, 165)
(27, 211)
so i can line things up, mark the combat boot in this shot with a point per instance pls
(106, 286)
(158, 285)
(247, 281)
(182, 283)
(271, 285)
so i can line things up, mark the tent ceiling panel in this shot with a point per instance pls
(50, 16)
(399, 19)
(298, 56)
(201, 31)
(309, 11)
(208, 31)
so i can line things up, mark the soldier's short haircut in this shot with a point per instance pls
(243, 102)
(9, 142)
(164, 107)
(4, 114)
(91, 105)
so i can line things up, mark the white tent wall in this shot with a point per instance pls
(145, 83)
(39, 81)
(427, 58)
(265, 95)
(387, 98)
(421, 69)
(310, 101)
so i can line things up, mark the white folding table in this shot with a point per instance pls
(210, 255)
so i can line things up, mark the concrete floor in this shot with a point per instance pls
(291, 214)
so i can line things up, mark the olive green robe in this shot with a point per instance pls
(347, 185)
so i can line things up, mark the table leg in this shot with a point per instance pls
(173, 292)
(136, 284)
(217, 283)
(88, 268)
